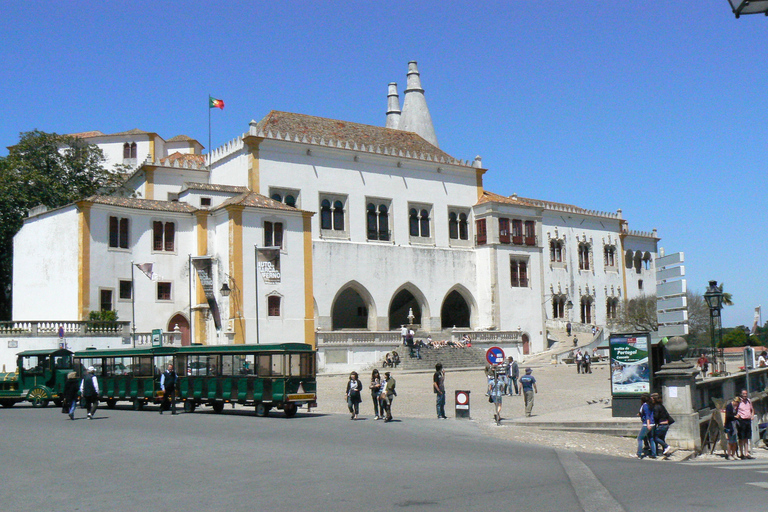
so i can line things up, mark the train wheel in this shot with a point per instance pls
(38, 397)
(189, 406)
(111, 402)
(261, 410)
(217, 407)
(7, 403)
(290, 410)
(138, 405)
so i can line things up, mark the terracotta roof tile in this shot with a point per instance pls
(184, 158)
(257, 200)
(86, 135)
(490, 197)
(211, 187)
(180, 138)
(301, 125)
(143, 204)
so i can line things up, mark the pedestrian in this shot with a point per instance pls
(703, 363)
(662, 422)
(488, 377)
(404, 333)
(496, 391)
(514, 373)
(388, 395)
(744, 414)
(594, 330)
(418, 346)
(762, 361)
(70, 394)
(528, 383)
(168, 384)
(354, 387)
(579, 360)
(586, 363)
(646, 431)
(438, 386)
(575, 341)
(731, 428)
(375, 388)
(89, 389)
(568, 328)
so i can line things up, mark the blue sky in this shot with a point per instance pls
(657, 108)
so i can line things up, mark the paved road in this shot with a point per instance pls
(234, 461)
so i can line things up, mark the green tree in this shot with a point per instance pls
(43, 169)
(738, 337)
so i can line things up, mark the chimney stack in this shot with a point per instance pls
(415, 116)
(393, 107)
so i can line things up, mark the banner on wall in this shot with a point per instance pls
(269, 265)
(204, 267)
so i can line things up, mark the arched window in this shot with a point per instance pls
(126, 150)
(584, 256)
(611, 308)
(609, 256)
(453, 226)
(133, 150)
(290, 200)
(424, 224)
(413, 222)
(372, 222)
(586, 310)
(647, 261)
(463, 227)
(338, 216)
(556, 251)
(383, 222)
(325, 215)
(277, 197)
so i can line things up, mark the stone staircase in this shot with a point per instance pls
(450, 357)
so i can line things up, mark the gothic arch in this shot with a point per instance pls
(458, 308)
(353, 308)
(408, 296)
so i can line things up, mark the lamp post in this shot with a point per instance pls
(714, 298)
(740, 7)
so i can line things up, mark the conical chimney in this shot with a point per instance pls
(415, 116)
(393, 107)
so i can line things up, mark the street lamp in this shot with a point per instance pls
(714, 298)
(225, 290)
(740, 7)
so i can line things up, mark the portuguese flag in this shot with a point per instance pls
(214, 103)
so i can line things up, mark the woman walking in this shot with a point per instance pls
(731, 428)
(663, 421)
(646, 431)
(354, 387)
(375, 388)
(496, 391)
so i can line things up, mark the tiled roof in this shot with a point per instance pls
(211, 187)
(180, 138)
(257, 200)
(340, 133)
(490, 197)
(143, 204)
(184, 158)
(135, 131)
(85, 135)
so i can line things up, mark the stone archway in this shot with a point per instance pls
(350, 311)
(183, 324)
(403, 302)
(455, 311)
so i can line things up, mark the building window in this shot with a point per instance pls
(584, 256)
(126, 290)
(518, 270)
(482, 235)
(530, 232)
(338, 216)
(163, 291)
(611, 308)
(332, 214)
(205, 202)
(105, 300)
(118, 233)
(504, 231)
(647, 261)
(289, 197)
(463, 227)
(129, 150)
(458, 228)
(609, 256)
(418, 222)
(273, 234)
(377, 221)
(163, 236)
(558, 306)
(586, 310)
(517, 232)
(556, 251)
(273, 305)
(325, 215)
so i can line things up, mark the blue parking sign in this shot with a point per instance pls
(494, 355)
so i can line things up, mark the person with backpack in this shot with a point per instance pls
(663, 421)
(168, 384)
(388, 394)
(89, 389)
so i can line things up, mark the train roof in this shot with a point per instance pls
(44, 352)
(194, 349)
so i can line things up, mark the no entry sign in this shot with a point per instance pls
(494, 355)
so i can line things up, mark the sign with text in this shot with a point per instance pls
(494, 355)
(630, 364)
(269, 265)
(204, 267)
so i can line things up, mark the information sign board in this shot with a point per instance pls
(630, 364)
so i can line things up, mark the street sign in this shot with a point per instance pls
(671, 304)
(680, 302)
(671, 288)
(665, 274)
(494, 355)
(670, 259)
(672, 330)
(672, 317)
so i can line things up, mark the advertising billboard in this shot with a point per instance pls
(630, 364)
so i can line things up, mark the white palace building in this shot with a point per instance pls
(326, 232)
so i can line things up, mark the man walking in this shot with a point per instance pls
(513, 373)
(168, 385)
(438, 386)
(404, 333)
(89, 389)
(744, 415)
(528, 383)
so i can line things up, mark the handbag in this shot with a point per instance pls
(490, 399)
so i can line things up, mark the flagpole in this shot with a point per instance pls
(133, 306)
(256, 254)
(191, 320)
(209, 132)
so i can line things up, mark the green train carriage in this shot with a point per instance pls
(39, 378)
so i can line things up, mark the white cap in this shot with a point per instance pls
(91, 369)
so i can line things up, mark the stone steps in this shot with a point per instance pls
(450, 357)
